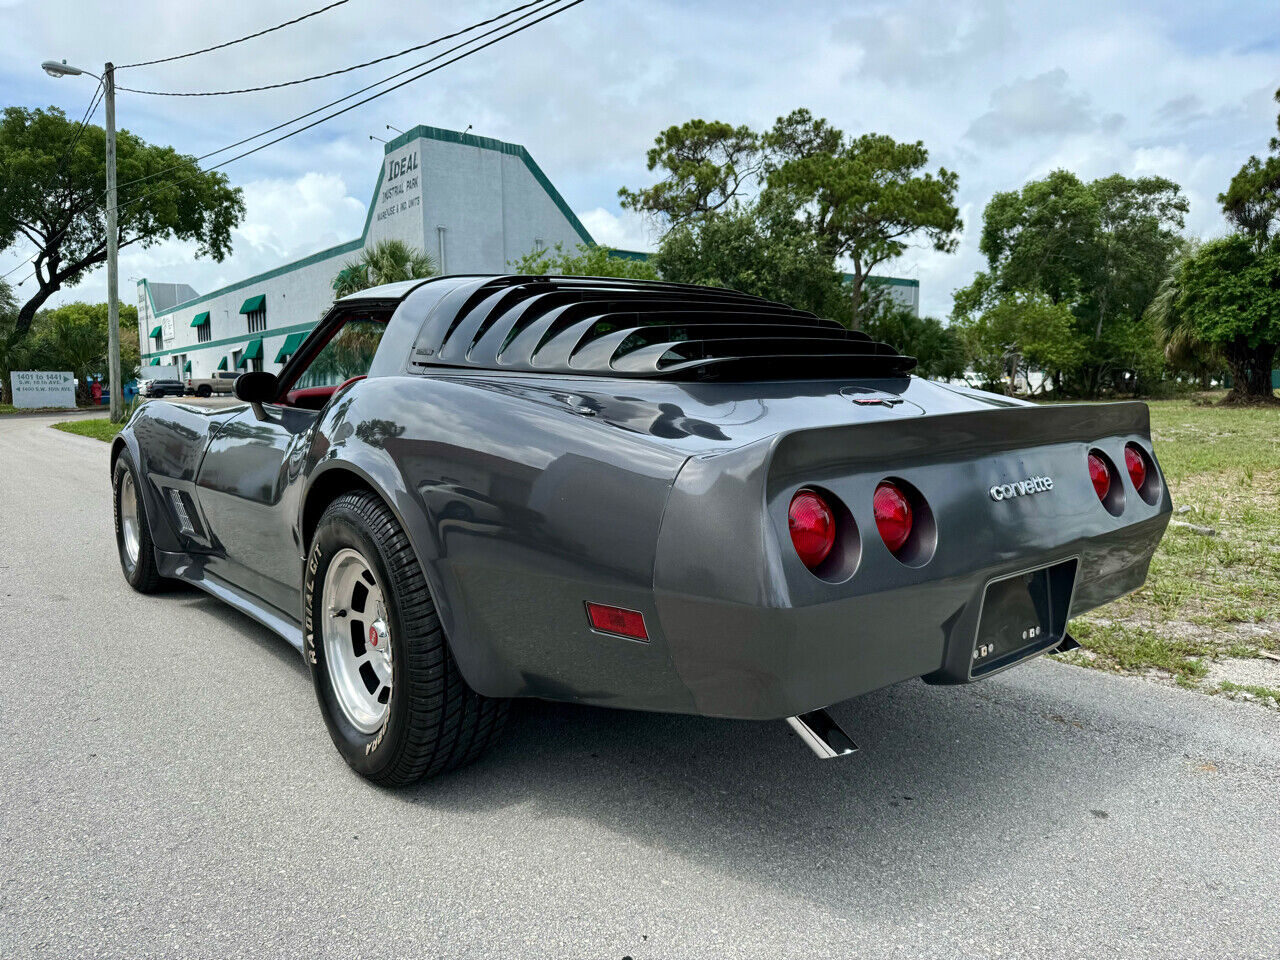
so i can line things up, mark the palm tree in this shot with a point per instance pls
(1183, 350)
(387, 261)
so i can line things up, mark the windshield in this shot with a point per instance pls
(349, 354)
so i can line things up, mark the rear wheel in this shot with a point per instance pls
(390, 691)
(133, 534)
(204, 390)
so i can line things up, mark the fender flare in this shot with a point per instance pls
(362, 467)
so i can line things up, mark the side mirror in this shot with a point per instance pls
(257, 388)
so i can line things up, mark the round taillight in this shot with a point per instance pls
(1136, 465)
(1100, 476)
(813, 527)
(893, 515)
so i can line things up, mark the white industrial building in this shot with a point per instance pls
(473, 203)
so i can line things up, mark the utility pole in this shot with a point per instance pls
(113, 265)
(55, 68)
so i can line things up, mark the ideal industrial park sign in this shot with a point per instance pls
(401, 185)
(33, 389)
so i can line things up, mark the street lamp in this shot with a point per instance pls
(56, 68)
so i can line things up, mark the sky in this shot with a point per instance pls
(1001, 93)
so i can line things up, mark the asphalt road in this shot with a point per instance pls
(167, 789)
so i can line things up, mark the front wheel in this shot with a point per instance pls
(133, 533)
(395, 703)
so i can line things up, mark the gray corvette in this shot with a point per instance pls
(642, 495)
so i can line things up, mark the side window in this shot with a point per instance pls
(349, 354)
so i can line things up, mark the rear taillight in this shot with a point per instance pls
(893, 515)
(813, 527)
(1136, 465)
(1100, 475)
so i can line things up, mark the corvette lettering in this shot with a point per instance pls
(1020, 488)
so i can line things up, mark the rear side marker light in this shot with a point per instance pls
(893, 516)
(1100, 475)
(1136, 466)
(813, 527)
(625, 623)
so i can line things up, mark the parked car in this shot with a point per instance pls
(221, 383)
(642, 495)
(160, 387)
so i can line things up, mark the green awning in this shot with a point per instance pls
(254, 303)
(222, 364)
(186, 367)
(200, 318)
(291, 344)
(155, 361)
(252, 352)
(155, 331)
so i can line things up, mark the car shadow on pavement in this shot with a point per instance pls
(240, 625)
(943, 774)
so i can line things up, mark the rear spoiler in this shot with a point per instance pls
(940, 438)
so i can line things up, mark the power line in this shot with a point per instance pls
(231, 43)
(359, 103)
(545, 4)
(20, 265)
(332, 73)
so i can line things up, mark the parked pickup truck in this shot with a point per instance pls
(220, 383)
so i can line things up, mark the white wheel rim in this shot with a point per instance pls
(129, 528)
(357, 640)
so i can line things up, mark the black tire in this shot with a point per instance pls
(142, 573)
(435, 722)
(204, 390)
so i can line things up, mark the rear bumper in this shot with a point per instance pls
(751, 662)
(753, 634)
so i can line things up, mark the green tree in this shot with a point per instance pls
(74, 337)
(11, 353)
(1229, 296)
(771, 257)
(51, 197)
(1017, 336)
(708, 166)
(1184, 351)
(863, 199)
(1224, 297)
(584, 262)
(1252, 200)
(867, 200)
(387, 261)
(1101, 249)
(939, 350)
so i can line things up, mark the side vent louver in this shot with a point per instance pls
(592, 326)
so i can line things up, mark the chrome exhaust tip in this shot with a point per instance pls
(819, 730)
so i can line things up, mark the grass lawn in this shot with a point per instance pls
(1210, 610)
(100, 428)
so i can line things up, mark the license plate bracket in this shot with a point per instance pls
(1022, 614)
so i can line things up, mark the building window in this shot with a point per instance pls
(255, 312)
(203, 333)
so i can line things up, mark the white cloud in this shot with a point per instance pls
(626, 231)
(1040, 83)
(1036, 107)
